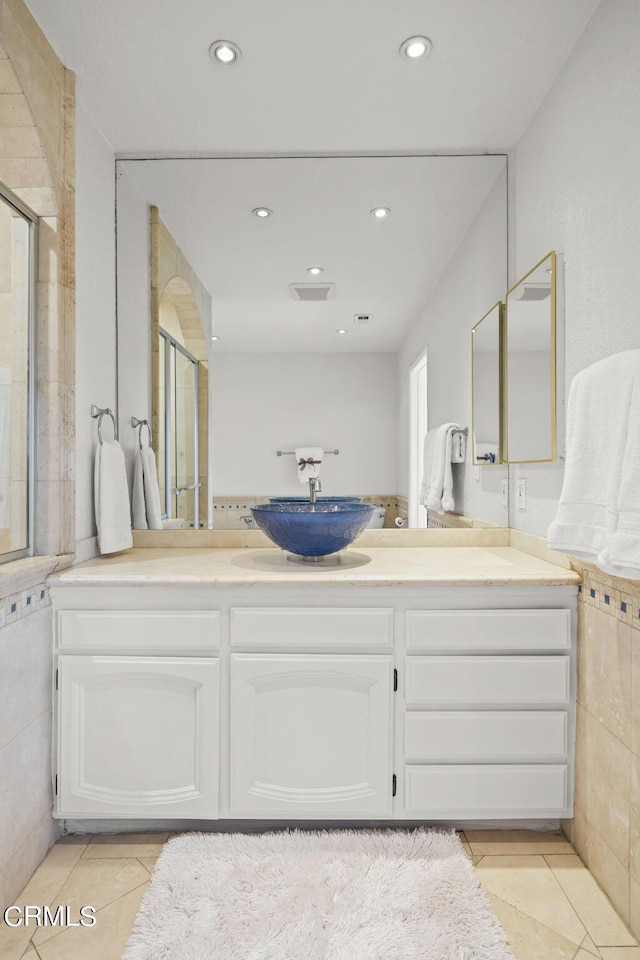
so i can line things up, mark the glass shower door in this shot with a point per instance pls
(179, 427)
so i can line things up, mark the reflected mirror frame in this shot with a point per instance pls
(554, 438)
(501, 389)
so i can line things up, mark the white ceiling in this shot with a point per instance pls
(317, 76)
(321, 217)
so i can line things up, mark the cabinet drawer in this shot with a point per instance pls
(486, 791)
(488, 736)
(488, 630)
(300, 628)
(433, 681)
(114, 630)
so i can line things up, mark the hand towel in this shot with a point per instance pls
(151, 489)
(146, 509)
(138, 507)
(621, 555)
(112, 508)
(308, 460)
(437, 480)
(599, 421)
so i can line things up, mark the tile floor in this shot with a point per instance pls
(547, 901)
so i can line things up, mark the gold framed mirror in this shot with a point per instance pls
(487, 363)
(530, 349)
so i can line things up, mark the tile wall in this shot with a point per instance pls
(606, 825)
(234, 513)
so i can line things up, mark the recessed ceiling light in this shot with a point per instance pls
(315, 271)
(215, 338)
(380, 212)
(224, 52)
(262, 212)
(415, 48)
(341, 330)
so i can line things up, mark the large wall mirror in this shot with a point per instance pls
(313, 273)
(531, 365)
(487, 374)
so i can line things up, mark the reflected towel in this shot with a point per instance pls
(600, 496)
(111, 491)
(306, 468)
(146, 509)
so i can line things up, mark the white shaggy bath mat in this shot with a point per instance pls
(316, 896)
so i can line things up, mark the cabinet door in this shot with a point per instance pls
(138, 737)
(310, 735)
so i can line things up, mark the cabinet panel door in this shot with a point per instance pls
(139, 630)
(310, 735)
(138, 736)
(440, 681)
(302, 628)
(486, 791)
(499, 630)
(476, 736)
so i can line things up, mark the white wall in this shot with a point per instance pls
(575, 187)
(474, 280)
(95, 308)
(268, 402)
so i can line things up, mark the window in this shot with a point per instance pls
(17, 278)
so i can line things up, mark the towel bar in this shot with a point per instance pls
(98, 413)
(291, 453)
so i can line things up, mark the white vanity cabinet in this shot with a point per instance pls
(422, 702)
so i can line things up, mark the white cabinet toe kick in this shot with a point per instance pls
(438, 704)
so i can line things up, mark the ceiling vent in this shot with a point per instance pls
(362, 318)
(312, 292)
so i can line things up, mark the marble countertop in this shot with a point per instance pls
(361, 567)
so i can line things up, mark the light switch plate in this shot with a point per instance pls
(522, 494)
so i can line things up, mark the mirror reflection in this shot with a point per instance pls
(486, 347)
(289, 299)
(531, 365)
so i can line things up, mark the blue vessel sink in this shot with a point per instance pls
(312, 530)
(319, 499)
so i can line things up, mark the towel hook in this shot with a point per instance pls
(140, 424)
(98, 413)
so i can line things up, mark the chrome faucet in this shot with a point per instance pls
(315, 487)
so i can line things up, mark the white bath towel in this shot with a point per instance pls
(599, 425)
(146, 509)
(437, 479)
(111, 491)
(621, 555)
(308, 460)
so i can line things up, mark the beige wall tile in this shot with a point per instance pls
(612, 876)
(634, 839)
(603, 783)
(635, 692)
(634, 905)
(604, 671)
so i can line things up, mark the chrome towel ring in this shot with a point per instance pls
(98, 413)
(141, 423)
